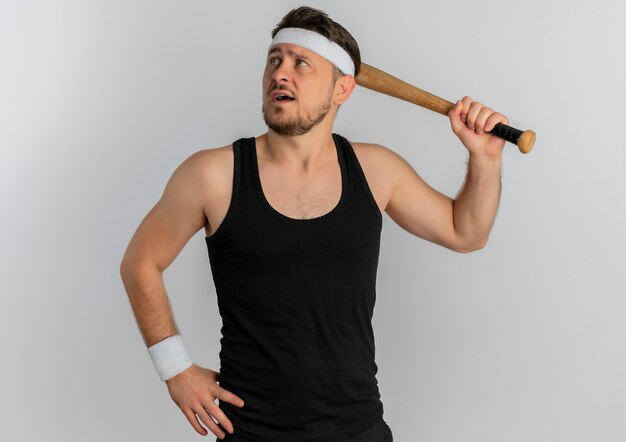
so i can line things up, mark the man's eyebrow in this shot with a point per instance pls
(289, 51)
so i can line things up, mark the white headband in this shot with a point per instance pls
(317, 43)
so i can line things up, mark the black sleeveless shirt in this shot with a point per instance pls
(296, 297)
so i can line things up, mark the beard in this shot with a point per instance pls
(300, 124)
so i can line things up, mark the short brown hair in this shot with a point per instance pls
(318, 21)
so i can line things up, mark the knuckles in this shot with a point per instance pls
(469, 105)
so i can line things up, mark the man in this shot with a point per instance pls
(292, 220)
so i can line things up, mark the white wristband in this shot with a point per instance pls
(169, 357)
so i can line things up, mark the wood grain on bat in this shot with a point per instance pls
(380, 81)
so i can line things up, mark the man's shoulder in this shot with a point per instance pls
(369, 148)
(211, 154)
(210, 161)
(206, 171)
(377, 155)
(382, 168)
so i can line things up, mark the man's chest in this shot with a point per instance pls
(304, 197)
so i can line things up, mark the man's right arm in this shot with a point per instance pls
(160, 237)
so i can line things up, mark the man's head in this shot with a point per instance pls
(305, 61)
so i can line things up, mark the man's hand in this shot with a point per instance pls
(470, 121)
(194, 390)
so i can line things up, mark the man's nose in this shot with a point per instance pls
(282, 72)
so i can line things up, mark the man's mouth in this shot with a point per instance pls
(279, 97)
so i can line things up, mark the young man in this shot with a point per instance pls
(292, 220)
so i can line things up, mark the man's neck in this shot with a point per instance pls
(305, 152)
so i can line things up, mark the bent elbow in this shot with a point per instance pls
(471, 246)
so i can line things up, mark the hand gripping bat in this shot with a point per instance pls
(380, 81)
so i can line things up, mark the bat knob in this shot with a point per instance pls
(523, 140)
(526, 141)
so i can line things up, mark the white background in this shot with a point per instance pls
(524, 340)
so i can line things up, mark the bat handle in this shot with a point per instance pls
(524, 140)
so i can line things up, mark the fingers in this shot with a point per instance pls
(228, 396)
(478, 117)
(200, 411)
(208, 421)
(193, 420)
(456, 121)
(195, 395)
(219, 416)
(466, 103)
(494, 119)
(211, 407)
(475, 115)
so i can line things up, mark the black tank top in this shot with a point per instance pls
(296, 297)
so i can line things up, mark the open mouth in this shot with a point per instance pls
(284, 98)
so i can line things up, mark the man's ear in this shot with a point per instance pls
(343, 89)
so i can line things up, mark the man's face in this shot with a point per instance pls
(302, 75)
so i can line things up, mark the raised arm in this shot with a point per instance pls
(462, 224)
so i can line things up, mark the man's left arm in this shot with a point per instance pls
(462, 224)
(476, 205)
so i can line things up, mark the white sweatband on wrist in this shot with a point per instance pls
(169, 357)
(317, 43)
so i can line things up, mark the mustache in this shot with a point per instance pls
(281, 88)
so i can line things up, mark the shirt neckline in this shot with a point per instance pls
(297, 221)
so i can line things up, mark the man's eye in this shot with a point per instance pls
(303, 62)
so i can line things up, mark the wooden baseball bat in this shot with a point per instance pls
(380, 81)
